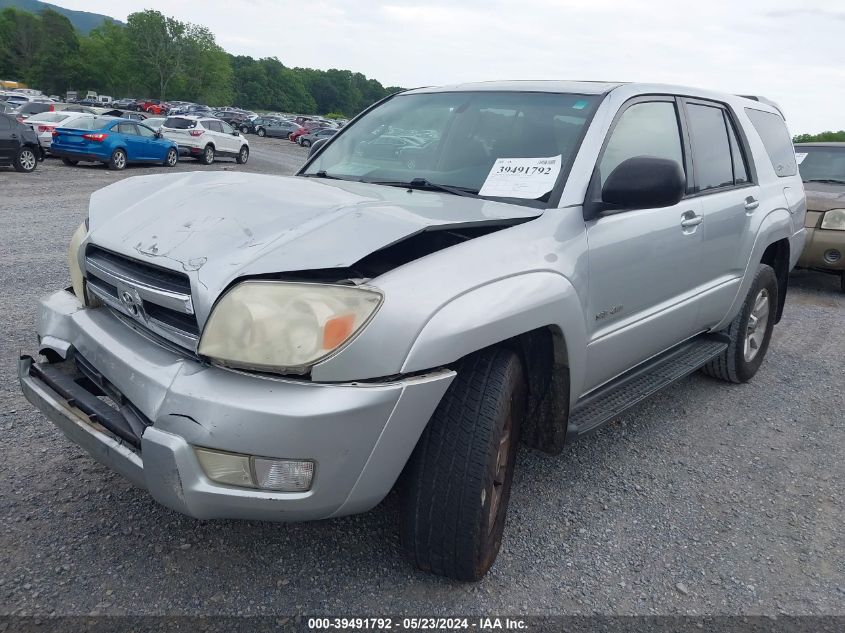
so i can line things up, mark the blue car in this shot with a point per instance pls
(115, 142)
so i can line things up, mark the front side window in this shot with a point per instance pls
(145, 131)
(645, 129)
(455, 138)
(711, 148)
(772, 130)
(225, 127)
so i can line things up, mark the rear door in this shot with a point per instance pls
(722, 182)
(642, 263)
(8, 140)
(130, 138)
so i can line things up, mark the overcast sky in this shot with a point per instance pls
(768, 47)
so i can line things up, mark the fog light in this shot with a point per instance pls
(246, 471)
(226, 468)
(831, 256)
(283, 474)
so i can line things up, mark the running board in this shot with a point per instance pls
(608, 402)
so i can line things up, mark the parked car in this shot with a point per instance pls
(75, 107)
(306, 140)
(153, 106)
(276, 128)
(822, 167)
(44, 124)
(206, 138)
(134, 116)
(570, 253)
(19, 145)
(154, 123)
(306, 128)
(26, 110)
(113, 142)
(124, 104)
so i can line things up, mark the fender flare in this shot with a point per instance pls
(775, 226)
(498, 311)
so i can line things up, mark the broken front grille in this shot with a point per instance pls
(151, 298)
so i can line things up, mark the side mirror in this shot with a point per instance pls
(316, 145)
(236, 133)
(158, 134)
(644, 182)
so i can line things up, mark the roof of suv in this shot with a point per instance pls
(581, 87)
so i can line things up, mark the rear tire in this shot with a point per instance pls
(243, 156)
(26, 160)
(70, 162)
(207, 156)
(118, 160)
(456, 486)
(750, 332)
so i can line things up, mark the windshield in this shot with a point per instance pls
(462, 140)
(821, 163)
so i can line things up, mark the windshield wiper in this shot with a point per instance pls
(322, 174)
(833, 181)
(427, 185)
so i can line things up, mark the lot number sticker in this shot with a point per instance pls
(800, 156)
(529, 178)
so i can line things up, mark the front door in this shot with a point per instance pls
(643, 264)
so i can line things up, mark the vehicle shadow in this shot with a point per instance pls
(815, 281)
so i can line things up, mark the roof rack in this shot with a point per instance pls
(766, 101)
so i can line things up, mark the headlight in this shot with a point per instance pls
(285, 327)
(73, 261)
(834, 219)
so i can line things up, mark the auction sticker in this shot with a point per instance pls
(529, 178)
(800, 156)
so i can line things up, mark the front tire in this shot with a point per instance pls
(172, 157)
(117, 161)
(243, 156)
(261, 132)
(207, 156)
(457, 483)
(750, 332)
(26, 160)
(305, 143)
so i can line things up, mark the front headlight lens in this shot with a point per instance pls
(834, 219)
(76, 276)
(284, 327)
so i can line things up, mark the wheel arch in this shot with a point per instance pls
(776, 255)
(542, 320)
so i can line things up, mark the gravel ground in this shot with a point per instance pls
(708, 499)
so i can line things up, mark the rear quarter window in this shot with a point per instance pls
(178, 123)
(772, 130)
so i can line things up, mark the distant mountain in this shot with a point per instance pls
(81, 20)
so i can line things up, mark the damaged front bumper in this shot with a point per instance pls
(163, 405)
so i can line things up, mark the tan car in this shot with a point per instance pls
(822, 167)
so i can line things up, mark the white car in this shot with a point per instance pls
(43, 124)
(206, 138)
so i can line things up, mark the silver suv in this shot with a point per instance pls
(206, 138)
(526, 262)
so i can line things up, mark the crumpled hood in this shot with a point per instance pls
(822, 196)
(218, 226)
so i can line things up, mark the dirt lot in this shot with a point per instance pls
(708, 499)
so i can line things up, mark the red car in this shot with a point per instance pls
(306, 128)
(152, 106)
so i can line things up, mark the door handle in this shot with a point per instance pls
(751, 203)
(691, 221)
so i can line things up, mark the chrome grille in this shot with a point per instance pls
(154, 298)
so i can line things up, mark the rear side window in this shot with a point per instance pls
(644, 129)
(178, 123)
(772, 130)
(127, 128)
(4, 123)
(711, 149)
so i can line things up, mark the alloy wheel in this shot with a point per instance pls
(28, 160)
(758, 319)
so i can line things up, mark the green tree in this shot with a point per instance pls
(20, 39)
(823, 137)
(159, 43)
(57, 63)
(107, 61)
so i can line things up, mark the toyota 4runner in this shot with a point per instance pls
(458, 270)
